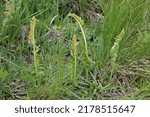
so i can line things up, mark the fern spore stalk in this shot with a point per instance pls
(114, 52)
(32, 40)
(74, 55)
(80, 22)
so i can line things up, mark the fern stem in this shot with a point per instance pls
(80, 22)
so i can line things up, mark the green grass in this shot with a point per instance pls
(100, 68)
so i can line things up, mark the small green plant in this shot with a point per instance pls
(81, 22)
(114, 52)
(32, 41)
(74, 56)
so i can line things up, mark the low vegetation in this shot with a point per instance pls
(75, 49)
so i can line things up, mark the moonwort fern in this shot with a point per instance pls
(73, 51)
(80, 22)
(32, 41)
(114, 52)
